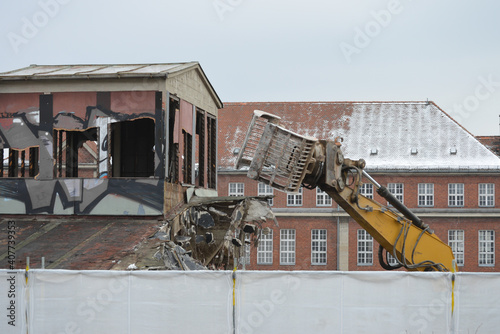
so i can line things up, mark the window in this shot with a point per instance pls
(265, 190)
(365, 248)
(366, 190)
(236, 189)
(187, 157)
(486, 194)
(322, 198)
(486, 248)
(294, 199)
(397, 190)
(19, 163)
(132, 148)
(456, 194)
(456, 242)
(247, 248)
(287, 246)
(76, 153)
(425, 194)
(173, 146)
(200, 147)
(265, 248)
(211, 152)
(391, 260)
(318, 247)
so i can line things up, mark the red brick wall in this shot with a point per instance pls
(441, 225)
(302, 244)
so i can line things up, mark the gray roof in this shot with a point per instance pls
(95, 71)
(410, 136)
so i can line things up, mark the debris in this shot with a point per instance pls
(249, 228)
(236, 242)
(176, 258)
(217, 212)
(209, 237)
(132, 267)
(182, 238)
(205, 220)
(229, 220)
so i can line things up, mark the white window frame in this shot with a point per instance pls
(318, 247)
(322, 198)
(265, 248)
(294, 199)
(486, 192)
(456, 241)
(456, 193)
(287, 246)
(366, 190)
(247, 248)
(365, 248)
(264, 189)
(486, 248)
(391, 259)
(426, 194)
(236, 189)
(397, 189)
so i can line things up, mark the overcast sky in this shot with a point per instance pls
(255, 50)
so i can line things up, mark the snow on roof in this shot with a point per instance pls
(388, 135)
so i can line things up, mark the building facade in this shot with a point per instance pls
(426, 159)
(104, 146)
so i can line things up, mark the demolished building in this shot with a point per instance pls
(100, 163)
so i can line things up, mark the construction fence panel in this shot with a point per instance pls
(12, 301)
(343, 302)
(477, 303)
(130, 302)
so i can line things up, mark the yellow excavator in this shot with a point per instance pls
(286, 161)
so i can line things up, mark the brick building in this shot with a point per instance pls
(428, 160)
(97, 157)
(491, 142)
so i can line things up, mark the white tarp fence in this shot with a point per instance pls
(62, 301)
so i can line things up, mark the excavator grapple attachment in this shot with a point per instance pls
(274, 155)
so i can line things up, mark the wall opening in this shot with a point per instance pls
(76, 153)
(173, 147)
(212, 152)
(132, 148)
(187, 162)
(19, 163)
(200, 147)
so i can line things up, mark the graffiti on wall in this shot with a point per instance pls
(91, 159)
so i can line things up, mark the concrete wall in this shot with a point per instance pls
(190, 86)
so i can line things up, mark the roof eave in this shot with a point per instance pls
(83, 77)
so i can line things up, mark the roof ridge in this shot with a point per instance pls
(332, 102)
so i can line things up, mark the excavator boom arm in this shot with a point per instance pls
(286, 160)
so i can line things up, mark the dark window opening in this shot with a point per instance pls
(200, 156)
(19, 163)
(212, 152)
(173, 148)
(187, 167)
(132, 148)
(76, 153)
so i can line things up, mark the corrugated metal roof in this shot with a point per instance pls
(90, 71)
(382, 133)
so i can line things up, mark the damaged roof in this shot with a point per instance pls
(388, 135)
(80, 244)
(198, 235)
